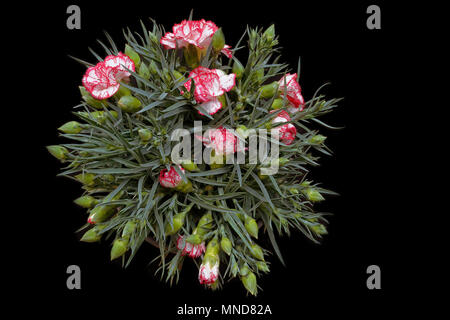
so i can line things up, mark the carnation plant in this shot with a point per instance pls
(221, 215)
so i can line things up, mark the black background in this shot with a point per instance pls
(335, 46)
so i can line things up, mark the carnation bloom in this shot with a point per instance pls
(288, 85)
(170, 178)
(286, 133)
(192, 250)
(198, 33)
(102, 80)
(209, 271)
(223, 141)
(209, 85)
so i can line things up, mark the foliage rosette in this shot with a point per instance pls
(222, 216)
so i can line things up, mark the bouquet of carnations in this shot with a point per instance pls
(179, 143)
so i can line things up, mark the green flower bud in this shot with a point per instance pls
(99, 116)
(133, 55)
(90, 100)
(145, 134)
(184, 187)
(313, 195)
(85, 178)
(144, 71)
(152, 67)
(277, 104)
(319, 229)
(71, 127)
(100, 213)
(226, 245)
(129, 104)
(120, 246)
(269, 34)
(257, 252)
(91, 235)
(293, 191)
(244, 271)
(268, 90)
(262, 266)
(153, 37)
(251, 226)
(190, 166)
(129, 229)
(177, 223)
(238, 69)
(205, 224)
(249, 282)
(58, 152)
(239, 106)
(86, 202)
(317, 139)
(218, 40)
(123, 91)
(258, 75)
(234, 269)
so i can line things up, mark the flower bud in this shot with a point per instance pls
(123, 91)
(152, 67)
(58, 152)
(313, 195)
(145, 134)
(317, 139)
(144, 71)
(190, 166)
(86, 202)
(251, 226)
(257, 252)
(100, 213)
(205, 224)
(269, 34)
(129, 104)
(88, 179)
(194, 239)
(71, 127)
(177, 223)
(133, 55)
(93, 234)
(238, 69)
(99, 116)
(262, 266)
(218, 40)
(129, 229)
(226, 245)
(319, 229)
(249, 282)
(277, 104)
(269, 90)
(120, 246)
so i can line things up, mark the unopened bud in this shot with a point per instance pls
(269, 34)
(58, 152)
(129, 104)
(129, 229)
(190, 166)
(317, 139)
(249, 282)
(152, 67)
(92, 235)
(71, 127)
(123, 91)
(90, 100)
(251, 226)
(86, 202)
(277, 104)
(120, 246)
(100, 213)
(133, 55)
(268, 90)
(177, 223)
(257, 252)
(145, 134)
(262, 266)
(218, 40)
(85, 178)
(319, 229)
(144, 71)
(226, 245)
(238, 69)
(313, 195)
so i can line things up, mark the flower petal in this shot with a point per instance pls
(168, 41)
(211, 106)
(227, 52)
(227, 82)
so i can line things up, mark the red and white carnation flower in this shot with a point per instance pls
(198, 33)
(285, 133)
(102, 80)
(288, 85)
(209, 85)
(192, 250)
(223, 141)
(170, 178)
(209, 271)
